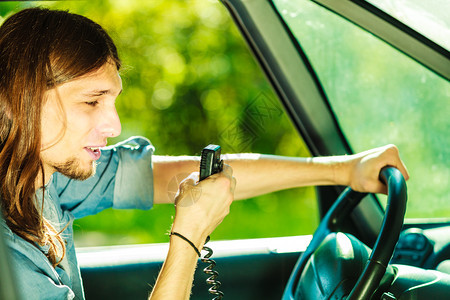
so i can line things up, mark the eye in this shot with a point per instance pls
(92, 103)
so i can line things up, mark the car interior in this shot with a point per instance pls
(295, 33)
(350, 75)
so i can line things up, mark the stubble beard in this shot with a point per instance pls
(72, 169)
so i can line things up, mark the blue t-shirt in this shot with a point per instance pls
(124, 179)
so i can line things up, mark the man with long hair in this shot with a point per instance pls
(59, 79)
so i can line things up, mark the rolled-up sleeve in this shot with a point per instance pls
(124, 179)
(134, 177)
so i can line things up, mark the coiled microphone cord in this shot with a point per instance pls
(212, 279)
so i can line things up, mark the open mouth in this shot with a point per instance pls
(94, 152)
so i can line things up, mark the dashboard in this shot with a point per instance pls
(424, 248)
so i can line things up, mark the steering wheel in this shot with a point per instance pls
(341, 251)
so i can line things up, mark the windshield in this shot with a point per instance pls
(380, 96)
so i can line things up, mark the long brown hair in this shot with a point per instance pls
(39, 50)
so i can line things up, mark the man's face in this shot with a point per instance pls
(77, 118)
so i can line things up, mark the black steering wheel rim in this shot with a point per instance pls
(384, 246)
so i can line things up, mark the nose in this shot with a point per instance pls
(110, 125)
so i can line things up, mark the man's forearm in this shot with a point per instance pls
(258, 174)
(176, 276)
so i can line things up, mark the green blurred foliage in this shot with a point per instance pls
(189, 80)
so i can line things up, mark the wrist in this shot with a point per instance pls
(188, 241)
(194, 235)
(342, 169)
(335, 170)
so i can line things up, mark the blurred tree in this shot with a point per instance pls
(189, 80)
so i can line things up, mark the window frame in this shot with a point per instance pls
(392, 31)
